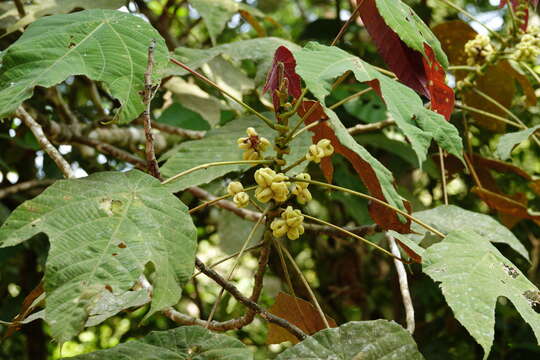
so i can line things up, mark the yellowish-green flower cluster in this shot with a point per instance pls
(478, 49)
(253, 145)
(300, 189)
(528, 47)
(290, 224)
(240, 197)
(322, 149)
(271, 186)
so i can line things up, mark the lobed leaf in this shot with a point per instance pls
(182, 343)
(105, 45)
(318, 65)
(103, 230)
(473, 275)
(366, 340)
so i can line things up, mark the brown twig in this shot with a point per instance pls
(346, 25)
(24, 186)
(152, 164)
(185, 133)
(111, 150)
(45, 144)
(250, 304)
(403, 284)
(20, 8)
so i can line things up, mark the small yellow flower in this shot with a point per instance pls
(234, 188)
(241, 199)
(290, 224)
(270, 186)
(322, 149)
(478, 48)
(253, 145)
(300, 189)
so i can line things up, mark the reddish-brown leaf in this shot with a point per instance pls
(26, 308)
(504, 204)
(382, 215)
(405, 62)
(412, 254)
(442, 95)
(298, 312)
(279, 72)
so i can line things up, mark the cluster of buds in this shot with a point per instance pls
(240, 197)
(290, 223)
(322, 149)
(478, 49)
(528, 47)
(271, 186)
(300, 189)
(253, 145)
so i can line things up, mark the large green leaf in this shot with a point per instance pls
(220, 145)
(183, 343)
(319, 65)
(508, 141)
(11, 22)
(366, 340)
(105, 45)
(473, 275)
(447, 218)
(259, 50)
(216, 13)
(103, 231)
(410, 28)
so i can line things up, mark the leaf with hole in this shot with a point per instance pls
(103, 231)
(105, 45)
(473, 274)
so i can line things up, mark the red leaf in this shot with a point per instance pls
(442, 95)
(405, 62)
(382, 215)
(422, 74)
(285, 71)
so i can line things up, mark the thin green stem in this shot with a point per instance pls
(212, 202)
(307, 127)
(443, 175)
(349, 98)
(306, 284)
(294, 164)
(531, 71)
(358, 237)
(235, 264)
(297, 104)
(301, 121)
(369, 197)
(462, 67)
(472, 17)
(488, 114)
(500, 106)
(268, 122)
(219, 163)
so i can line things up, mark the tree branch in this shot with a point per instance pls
(152, 165)
(24, 186)
(233, 290)
(45, 144)
(365, 128)
(403, 284)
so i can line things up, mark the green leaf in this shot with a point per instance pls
(319, 65)
(111, 304)
(103, 230)
(410, 28)
(233, 231)
(473, 275)
(366, 340)
(508, 141)
(447, 218)
(216, 13)
(105, 45)
(258, 50)
(220, 145)
(182, 343)
(11, 22)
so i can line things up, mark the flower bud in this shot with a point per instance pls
(241, 199)
(235, 187)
